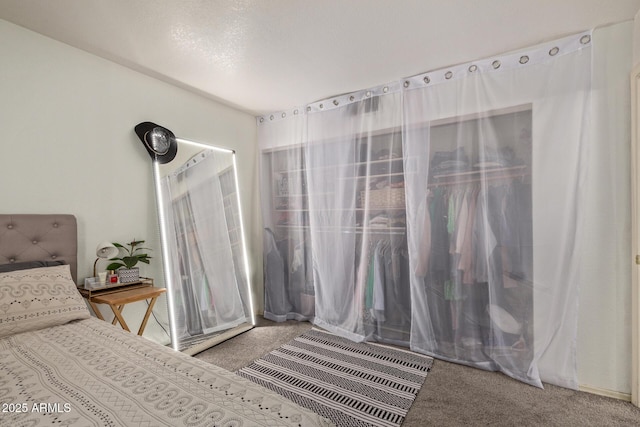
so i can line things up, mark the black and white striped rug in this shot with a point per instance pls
(352, 384)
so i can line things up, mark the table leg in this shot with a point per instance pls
(96, 310)
(115, 319)
(118, 315)
(146, 315)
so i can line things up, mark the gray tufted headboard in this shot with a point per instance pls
(27, 237)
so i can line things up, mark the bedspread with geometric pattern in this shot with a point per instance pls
(89, 373)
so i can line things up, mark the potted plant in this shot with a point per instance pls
(126, 265)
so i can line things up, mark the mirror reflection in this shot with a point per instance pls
(203, 247)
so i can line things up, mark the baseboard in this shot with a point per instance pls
(604, 392)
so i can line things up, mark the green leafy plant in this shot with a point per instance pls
(132, 256)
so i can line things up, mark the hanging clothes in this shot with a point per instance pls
(424, 252)
(276, 278)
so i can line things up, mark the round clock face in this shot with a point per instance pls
(159, 140)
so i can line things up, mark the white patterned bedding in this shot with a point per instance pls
(90, 373)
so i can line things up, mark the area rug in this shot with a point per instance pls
(352, 384)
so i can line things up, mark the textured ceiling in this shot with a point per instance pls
(268, 55)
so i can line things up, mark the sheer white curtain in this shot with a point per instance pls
(493, 162)
(443, 212)
(288, 273)
(351, 150)
(207, 297)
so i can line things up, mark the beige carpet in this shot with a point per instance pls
(453, 394)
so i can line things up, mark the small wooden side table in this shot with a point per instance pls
(117, 298)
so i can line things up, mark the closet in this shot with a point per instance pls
(474, 264)
(477, 274)
(381, 244)
(445, 211)
(287, 251)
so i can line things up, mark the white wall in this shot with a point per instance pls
(636, 39)
(68, 146)
(604, 326)
(635, 323)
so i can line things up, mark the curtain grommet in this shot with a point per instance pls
(261, 119)
(496, 64)
(585, 39)
(473, 68)
(524, 59)
(271, 117)
(406, 83)
(284, 115)
(426, 79)
(352, 98)
(554, 51)
(308, 109)
(448, 75)
(295, 112)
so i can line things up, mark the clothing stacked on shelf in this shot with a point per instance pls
(496, 158)
(386, 182)
(389, 219)
(449, 161)
(457, 161)
(387, 154)
(477, 255)
(382, 193)
(385, 175)
(393, 167)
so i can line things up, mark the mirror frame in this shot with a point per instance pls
(167, 268)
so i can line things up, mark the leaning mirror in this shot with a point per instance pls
(203, 245)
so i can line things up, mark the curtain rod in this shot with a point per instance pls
(532, 55)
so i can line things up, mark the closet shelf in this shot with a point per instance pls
(370, 209)
(286, 196)
(479, 176)
(350, 230)
(481, 171)
(372, 162)
(383, 175)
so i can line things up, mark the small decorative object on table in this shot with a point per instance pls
(102, 276)
(104, 250)
(126, 265)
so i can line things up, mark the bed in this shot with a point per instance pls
(60, 366)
